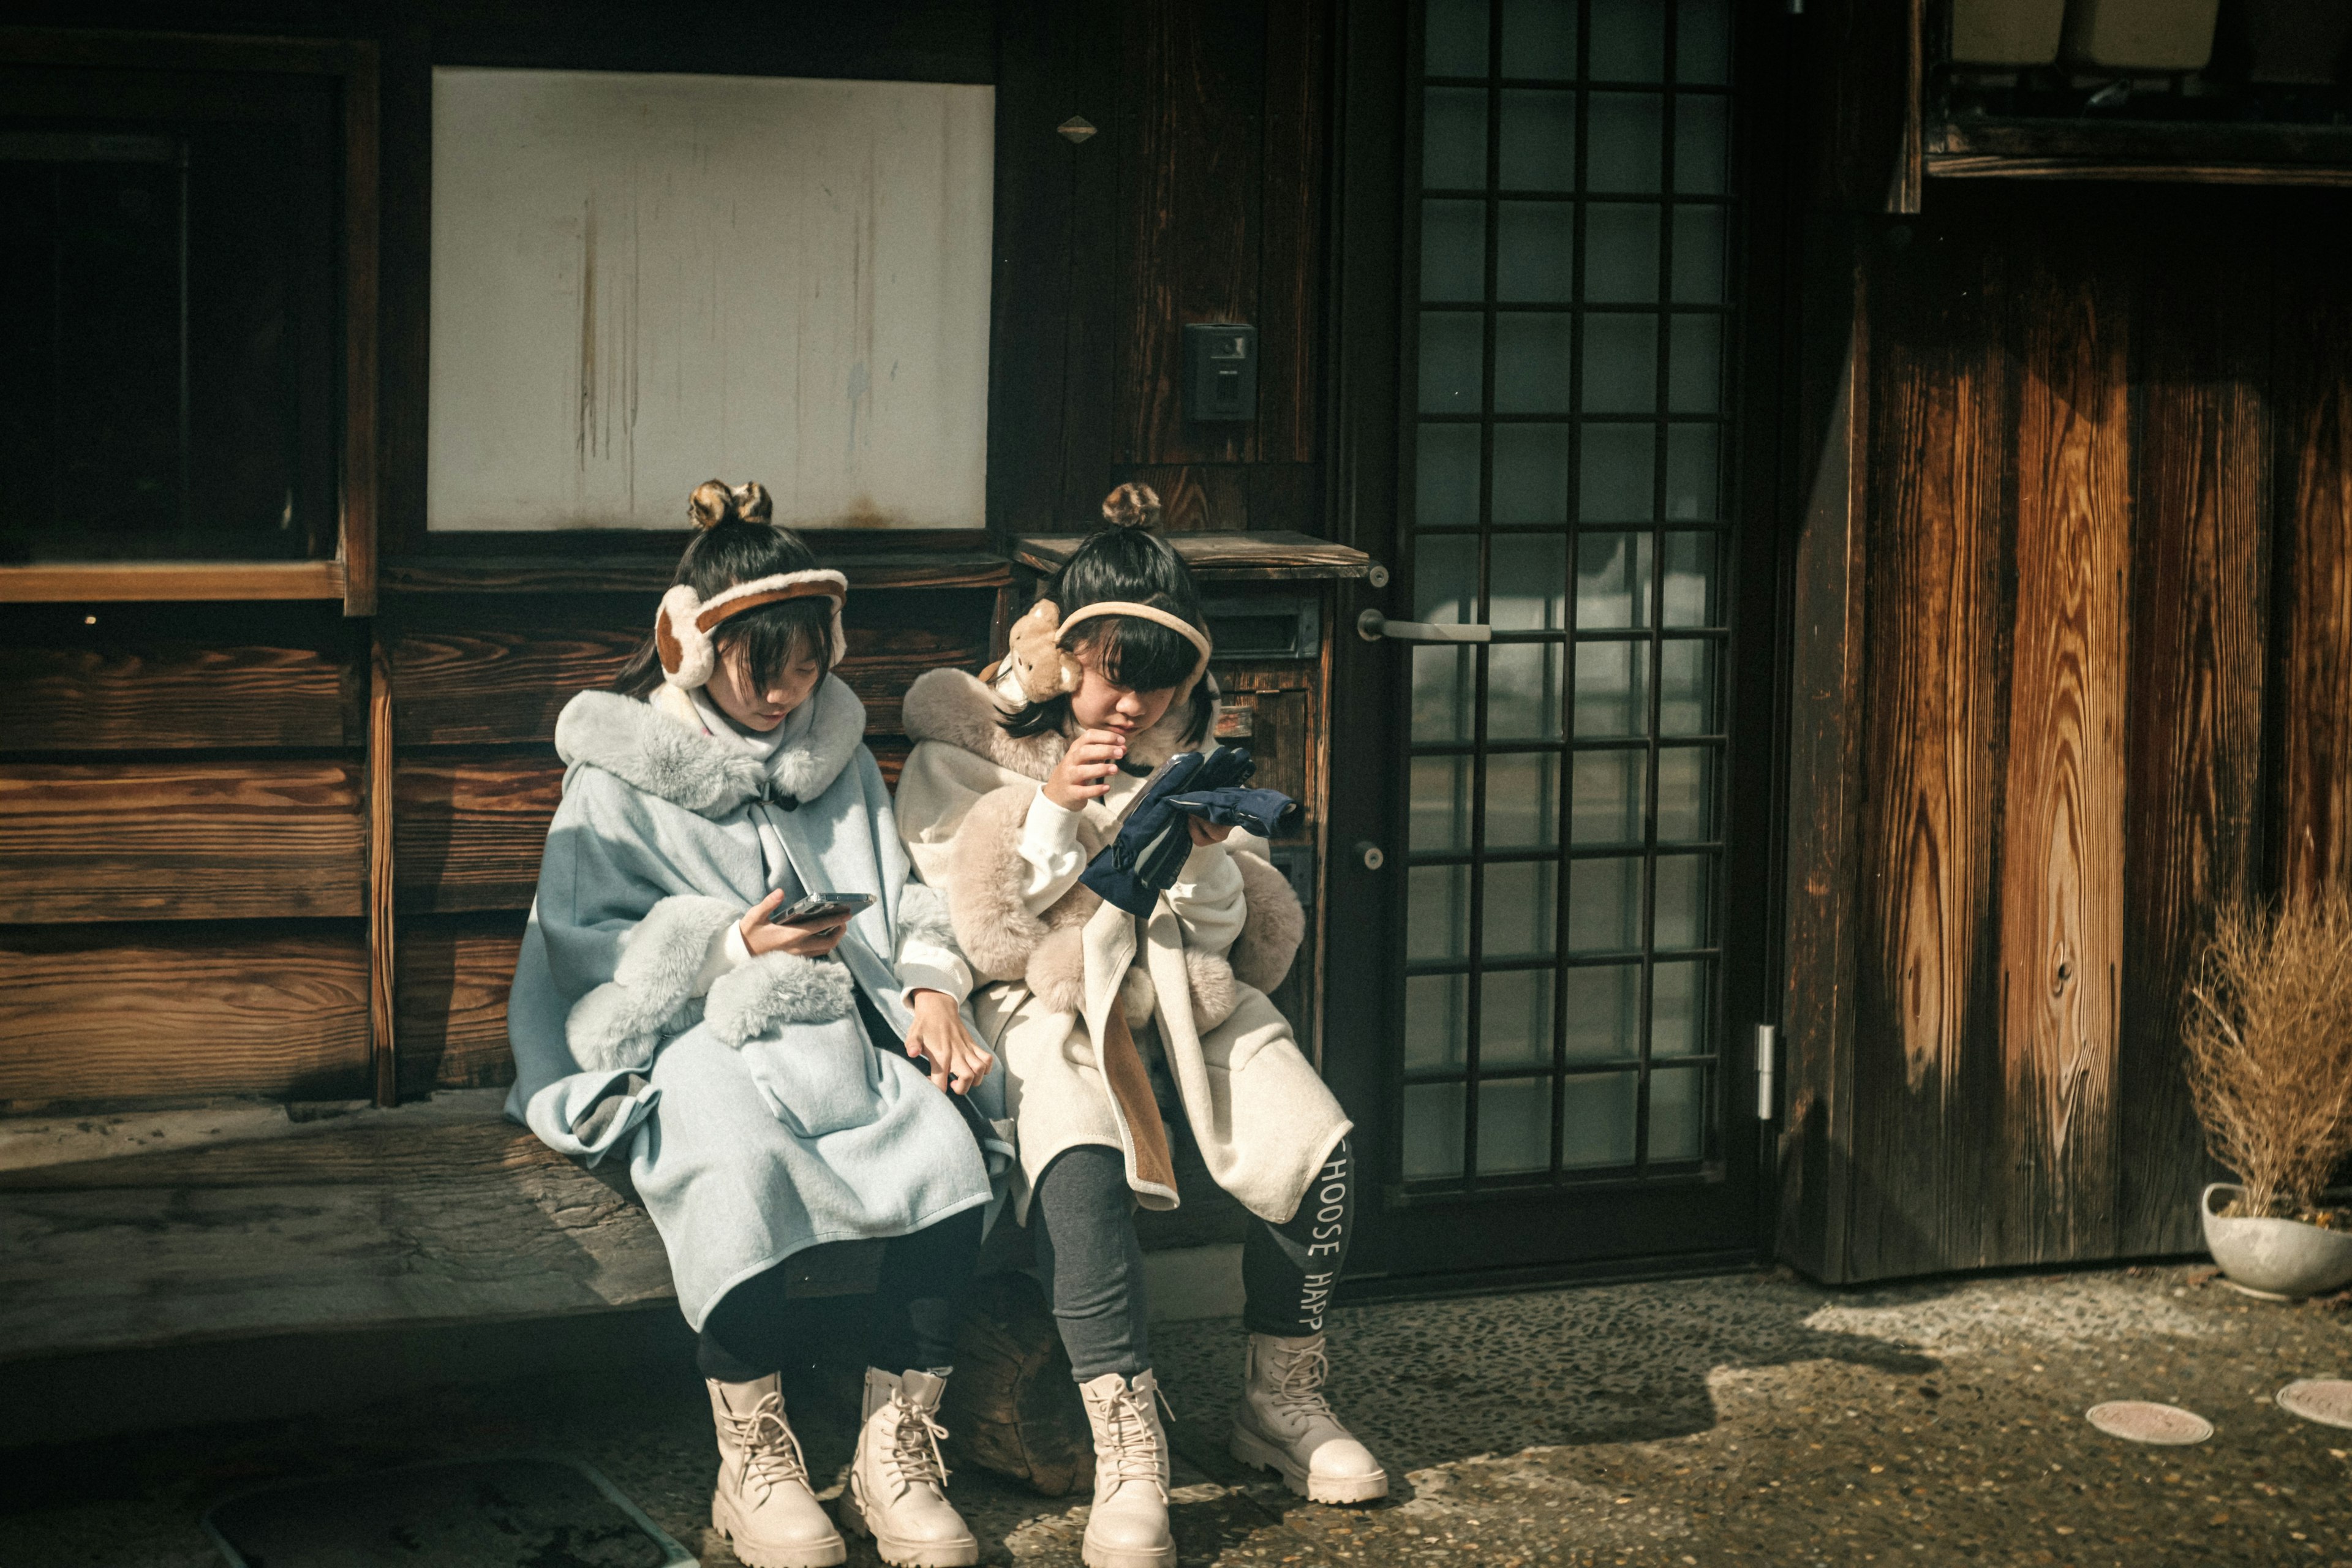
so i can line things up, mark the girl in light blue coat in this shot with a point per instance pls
(761, 1079)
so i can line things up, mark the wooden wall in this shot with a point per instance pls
(2074, 666)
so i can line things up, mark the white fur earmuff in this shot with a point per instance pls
(685, 624)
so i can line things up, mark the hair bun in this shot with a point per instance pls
(751, 503)
(1132, 506)
(714, 502)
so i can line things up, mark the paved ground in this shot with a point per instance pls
(1745, 1420)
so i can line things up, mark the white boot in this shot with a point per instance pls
(897, 1484)
(1285, 1424)
(1128, 1527)
(764, 1505)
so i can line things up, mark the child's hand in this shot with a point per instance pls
(1085, 771)
(762, 935)
(1205, 833)
(938, 1036)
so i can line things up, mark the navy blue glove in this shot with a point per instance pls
(1264, 812)
(1153, 843)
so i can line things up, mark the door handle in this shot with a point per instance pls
(1372, 626)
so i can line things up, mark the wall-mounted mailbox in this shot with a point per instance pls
(1220, 372)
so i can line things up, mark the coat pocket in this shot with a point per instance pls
(816, 1078)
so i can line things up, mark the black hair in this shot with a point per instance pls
(1127, 561)
(738, 544)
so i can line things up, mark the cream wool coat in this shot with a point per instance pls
(1262, 1118)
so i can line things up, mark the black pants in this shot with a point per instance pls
(1082, 1221)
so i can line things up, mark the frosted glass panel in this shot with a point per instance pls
(1445, 482)
(1442, 695)
(1453, 139)
(1535, 260)
(642, 279)
(1514, 1127)
(1612, 690)
(1603, 1005)
(1529, 583)
(1432, 1130)
(1522, 800)
(1684, 893)
(1531, 363)
(1596, 1120)
(1629, 40)
(1452, 361)
(1452, 251)
(1613, 582)
(1691, 494)
(1621, 253)
(1698, 255)
(1702, 41)
(1445, 577)
(1678, 1126)
(1620, 364)
(1604, 905)
(1690, 580)
(1539, 141)
(1514, 1020)
(1530, 474)
(1434, 1019)
(1608, 802)
(1441, 804)
(1437, 912)
(1521, 909)
(1628, 132)
(1678, 995)
(1457, 38)
(1687, 687)
(1618, 476)
(1523, 690)
(1701, 145)
(1694, 365)
(1686, 794)
(1539, 39)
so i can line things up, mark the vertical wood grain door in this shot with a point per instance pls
(1578, 696)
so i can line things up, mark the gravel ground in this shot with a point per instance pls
(1754, 1419)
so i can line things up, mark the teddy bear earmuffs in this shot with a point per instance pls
(1043, 668)
(685, 626)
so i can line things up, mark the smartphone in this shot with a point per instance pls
(821, 908)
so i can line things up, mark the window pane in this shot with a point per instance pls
(1686, 794)
(1685, 895)
(1453, 358)
(1521, 909)
(1604, 905)
(1629, 40)
(1453, 139)
(1678, 995)
(1456, 42)
(1530, 474)
(1523, 690)
(1608, 804)
(1515, 1127)
(1442, 694)
(1437, 912)
(1621, 253)
(1446, 480)
(1454, 250)
(1613, 582)
(1702, 143)
(1617, 474)
(1620, 364)
(1698, 255)
(1695, 376)
(1691, 493)
(1435, 1007)
(1628, 132)
(1514, 1020)
(1539, 141)
(1531, 363)
(1702, 41)
(1603, 1008)
(1690, 593)
(1539, 38)
(1596, 1120)
(1612, 690)
(1432, 1130)
(1528, 591)
(1536, 252)
(1445, 577)
(1522, 801)
(1677, 1115)
(1441, 804)
(1686, 688)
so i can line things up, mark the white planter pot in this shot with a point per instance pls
(2275, 1256)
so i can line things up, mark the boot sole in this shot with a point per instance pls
(818, 1555)
(905, 1553)
(1254, 1450)
(1094, 1554)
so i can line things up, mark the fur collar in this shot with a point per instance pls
(659, 747)
(950, 706)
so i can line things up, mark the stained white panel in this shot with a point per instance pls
(642, 281)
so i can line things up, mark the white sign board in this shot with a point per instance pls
(643, 281)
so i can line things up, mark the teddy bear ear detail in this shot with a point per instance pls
(1043, 667)
(688, 655)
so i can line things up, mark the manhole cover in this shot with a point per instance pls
(2137, 1421)
(2326, 1400)
(506, 1511)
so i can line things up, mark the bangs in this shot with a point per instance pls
(772, 636)
(1142, 656)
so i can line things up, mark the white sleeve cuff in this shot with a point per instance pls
(915, 976)
(1049, 845)
(726, 953)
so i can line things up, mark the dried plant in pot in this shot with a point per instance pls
(2268, 1037)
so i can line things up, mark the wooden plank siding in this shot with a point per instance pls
(2090, 430)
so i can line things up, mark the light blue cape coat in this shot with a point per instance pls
(759, 1120)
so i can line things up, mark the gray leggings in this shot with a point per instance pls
(1082, 1221)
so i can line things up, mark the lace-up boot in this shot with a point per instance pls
(1128, 1527)
(1284, 1424)
(897, 1484)
(764, 1505)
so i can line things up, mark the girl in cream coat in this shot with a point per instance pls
(1016, 781)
